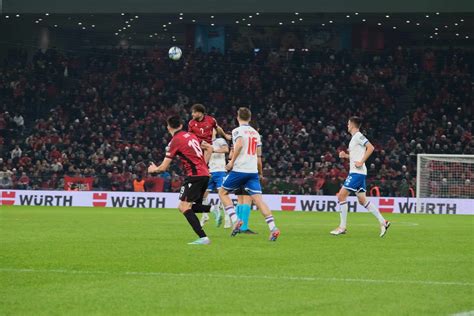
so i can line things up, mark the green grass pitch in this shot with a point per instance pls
(85, 261)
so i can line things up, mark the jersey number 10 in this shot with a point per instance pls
(252, 149)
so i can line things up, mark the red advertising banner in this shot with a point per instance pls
(154, 184)
(78, 183)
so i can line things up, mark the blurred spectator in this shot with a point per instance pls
(139, 184)
(5, 181)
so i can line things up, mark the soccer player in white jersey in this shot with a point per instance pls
(360, 150)
(217, 164)
(243, 172)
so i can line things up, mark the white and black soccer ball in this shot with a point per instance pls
(175, 53)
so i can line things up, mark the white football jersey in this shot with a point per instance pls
(357, 152)
(247, 161)
(217, 162)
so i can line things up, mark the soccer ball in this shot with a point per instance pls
(175, 53)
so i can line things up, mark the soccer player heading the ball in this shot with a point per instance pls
(360, 150)
(202, 126)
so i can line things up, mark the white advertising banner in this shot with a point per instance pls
(307, 203)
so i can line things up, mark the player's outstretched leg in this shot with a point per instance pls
(384, 224)
(265, 210)
(230, 210)
(185, 208)
(343, 208)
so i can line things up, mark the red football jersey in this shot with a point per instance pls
(188, 148)
(203, 129)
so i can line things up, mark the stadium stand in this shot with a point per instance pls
(102, 114)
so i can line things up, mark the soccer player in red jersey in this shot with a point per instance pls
(202, 126)
(187, 147)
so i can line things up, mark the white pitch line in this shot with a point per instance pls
(410, 224)
(470, 313)
(238, 276)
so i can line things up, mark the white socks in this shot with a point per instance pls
(343, 207)
(230, 210)
(270, 222)
(372, 209)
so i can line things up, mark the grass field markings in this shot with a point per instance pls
(365, 225)
(470, 313)
(239, 276)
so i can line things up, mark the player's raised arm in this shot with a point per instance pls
(221, 132)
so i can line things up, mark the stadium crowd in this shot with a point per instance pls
(103, 114)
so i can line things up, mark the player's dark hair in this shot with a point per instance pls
(244, 114)
(174, 121)
(198, 108)
(356, 120)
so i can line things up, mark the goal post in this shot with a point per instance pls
(444, 176)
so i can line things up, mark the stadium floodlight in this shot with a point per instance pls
(443, 176)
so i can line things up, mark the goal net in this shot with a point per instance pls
(444, 176)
